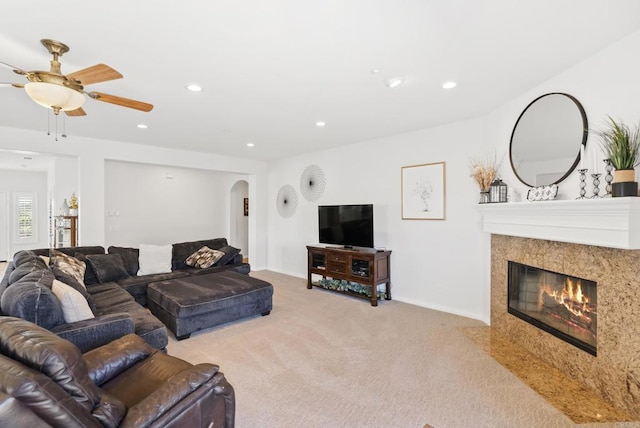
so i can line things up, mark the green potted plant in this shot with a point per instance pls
(622, 147)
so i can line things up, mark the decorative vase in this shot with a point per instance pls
(624, 183)
(64, 209)
(73, 212)
(485, 198)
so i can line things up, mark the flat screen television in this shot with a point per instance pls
(347, 225)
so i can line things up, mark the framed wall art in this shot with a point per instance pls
(423, 191)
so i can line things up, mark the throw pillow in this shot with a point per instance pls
(181, 251)
(203, 258)
(74, 305)
(154, 259)
(89, 275)
(229, 254)
(69, 265)
(71, 282)
(107, 267)
(129, 256)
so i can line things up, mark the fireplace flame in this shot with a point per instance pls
(570, 297)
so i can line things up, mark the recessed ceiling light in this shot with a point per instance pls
(393, 82)
(194, 88)
(449, 85)
(250, 145)
(320, 124)
(142, 126)
(375, 70)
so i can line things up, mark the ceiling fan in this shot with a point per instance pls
(60, 92)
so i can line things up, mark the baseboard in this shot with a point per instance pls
(441, 308)
(447, 309)
(284, 272)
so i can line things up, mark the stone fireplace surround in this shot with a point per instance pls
(614, 373)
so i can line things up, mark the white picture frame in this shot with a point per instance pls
(423, 191)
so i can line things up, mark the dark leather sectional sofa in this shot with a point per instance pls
(119, 306)
(46, 382)
(111, 370)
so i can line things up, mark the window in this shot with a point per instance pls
(26, 213)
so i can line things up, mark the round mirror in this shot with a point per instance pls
(546, 140)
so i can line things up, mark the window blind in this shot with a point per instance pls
(25, 216)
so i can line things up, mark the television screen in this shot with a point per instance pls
(348, 225)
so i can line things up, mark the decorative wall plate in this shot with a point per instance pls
(287, 201)
(543, 193)
(312, 183)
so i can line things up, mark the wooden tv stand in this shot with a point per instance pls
(365, 266)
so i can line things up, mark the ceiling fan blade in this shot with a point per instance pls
(77, 112)
(125, 102)
(15, 85)
(95, 74)
(11, 67)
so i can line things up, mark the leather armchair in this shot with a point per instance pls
(46, 381)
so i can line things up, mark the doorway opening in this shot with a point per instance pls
(240, 209)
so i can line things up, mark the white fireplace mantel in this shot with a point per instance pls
(606, 222)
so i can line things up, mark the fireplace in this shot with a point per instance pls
(614, 373)
(563, 305)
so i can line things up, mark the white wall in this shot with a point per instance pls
(601, 84)
(92, 154)
(437, 264)
(63, 181)
(445, 265)
(4, 226)
(154, 204)
(14, 182)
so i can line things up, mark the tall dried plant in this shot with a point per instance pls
(484, 170)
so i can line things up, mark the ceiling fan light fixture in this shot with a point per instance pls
(54, 96)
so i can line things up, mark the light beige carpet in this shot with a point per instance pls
(327, 360)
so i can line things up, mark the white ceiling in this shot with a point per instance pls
(271, 69)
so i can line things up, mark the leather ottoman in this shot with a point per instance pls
(194, 303)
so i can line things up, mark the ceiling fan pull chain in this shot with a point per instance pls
(64, 126)
(48, 122)
(56, 127)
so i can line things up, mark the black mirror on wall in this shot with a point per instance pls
(546, 139)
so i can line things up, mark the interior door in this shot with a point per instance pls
(4, 226)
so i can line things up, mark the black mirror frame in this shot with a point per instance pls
(585, 134)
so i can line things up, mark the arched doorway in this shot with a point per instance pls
(239, 222)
